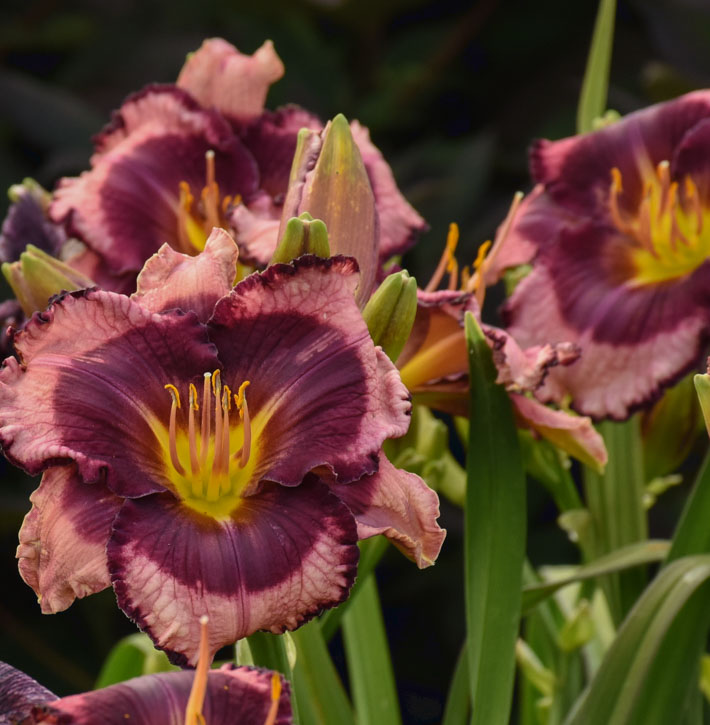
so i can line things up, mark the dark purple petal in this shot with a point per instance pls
(219, 76)
(62, 551)
(241, 694)
(271, 138)
(170, 280)
(19, 693)
(400, 224)
(633, 341)
(320, 391)
(90, 386)
(281, 557)
(399, 505)
(126, 206)
(27, 223)
(576, 171)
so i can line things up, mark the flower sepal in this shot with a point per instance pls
(37, 276)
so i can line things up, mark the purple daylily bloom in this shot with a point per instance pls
(177, 160)
(232, 694)
(222, 461)
(619, 229)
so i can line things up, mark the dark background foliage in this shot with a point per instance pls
(453, 94)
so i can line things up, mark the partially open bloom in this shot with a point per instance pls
(178, 160)
(619, 227)
(434, 367)
(222, 461)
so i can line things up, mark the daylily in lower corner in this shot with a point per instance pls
(618, 229)
(222, 461)
(177, 160)
(434, 366)
(247, 695)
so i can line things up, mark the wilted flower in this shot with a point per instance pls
(177, 160)
(221, 461)
(619, 227)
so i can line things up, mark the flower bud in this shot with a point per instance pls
(702, 386)
(302, 235)
(37, 276)
(329, 180)
(390, 313)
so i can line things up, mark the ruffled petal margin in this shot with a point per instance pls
(399, 505)
(284, 555)
(219, 76)
(92, 372)
(171, 280)
(233, 694)
(62, 551)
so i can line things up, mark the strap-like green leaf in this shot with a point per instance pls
(369, 665)
(651, 667)
(592, 100)
(643, 552)
(494, 539)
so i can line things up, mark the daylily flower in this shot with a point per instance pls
(248, 695)
(434, 367)
(619, 227)
(223, 460)
(177, 160)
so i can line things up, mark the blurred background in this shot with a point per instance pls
(453, 94)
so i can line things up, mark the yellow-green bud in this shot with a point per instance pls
(302, 235)
(36, 276)
(390, 313)
(702, 386)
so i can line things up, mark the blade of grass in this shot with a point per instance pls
(593, 98)
(458, 708)
(494, 537)
(369, 664)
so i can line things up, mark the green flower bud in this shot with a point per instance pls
(702, 386)
(390, 313)
(36, 276)
(302, 235)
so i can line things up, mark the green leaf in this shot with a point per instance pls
(457, 710)
(692, 535)
(369, 664)
(651, 668)
(318, 691)
(644, 552)
(133, 656)
(616, 502)
(593, 98)
(494, 536)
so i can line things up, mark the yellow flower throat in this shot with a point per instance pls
(211, 462)
(672, 233)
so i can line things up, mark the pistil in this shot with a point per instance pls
(193, 712)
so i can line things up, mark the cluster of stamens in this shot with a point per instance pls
(209, 450)
(668, 225)
(195, 221)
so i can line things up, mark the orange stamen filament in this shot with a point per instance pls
(173, 428)
(447, 261)
(184, 211)
(275, 695)
(193, 712)
(205, 423)
(246, 421)
(213, 487)
(194, 463)
(210, 194)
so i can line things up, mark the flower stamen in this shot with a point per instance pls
(193, 711)
(275, 695)
(448, 262)
(175, 395)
